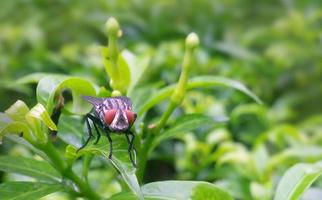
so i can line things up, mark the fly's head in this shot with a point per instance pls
(119, 120)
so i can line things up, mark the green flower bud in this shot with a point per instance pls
(113, 27)
(116, 93)
(192, 41)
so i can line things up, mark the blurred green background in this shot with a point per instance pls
(274, 47)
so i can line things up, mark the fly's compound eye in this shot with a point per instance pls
(131, 117)
(109, 116)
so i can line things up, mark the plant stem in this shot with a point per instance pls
(113, 30)
(165, 117)
(86, 164)
(54, 156)
(192, 42)
(83, 187)
(59, 163)
(113, 53)
(150, 138)
(143, 155)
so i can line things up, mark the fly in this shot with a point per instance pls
(113, 114)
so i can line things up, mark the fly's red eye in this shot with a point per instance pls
(109, 116)
(130, 116)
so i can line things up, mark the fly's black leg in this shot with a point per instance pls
(131, 142)
(96, 122)
(98, 134)
(110, 141)
(131, 146)
(89, 129)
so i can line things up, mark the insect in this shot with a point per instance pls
(112, 115)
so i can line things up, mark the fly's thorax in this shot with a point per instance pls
(121, 103)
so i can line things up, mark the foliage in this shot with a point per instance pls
(297, 179)
(201, 132)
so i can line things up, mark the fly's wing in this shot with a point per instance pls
(93, 100)
(110, 103)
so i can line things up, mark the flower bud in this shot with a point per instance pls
(113, 27)
(116, 93)
(192, 40)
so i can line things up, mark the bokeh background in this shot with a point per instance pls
(274, 47)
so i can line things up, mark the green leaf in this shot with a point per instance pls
(137, 66)
(295, 154)
(71, 129)
(233, 153)
(24, 117)
(4, 119)
(208, 191)
(34, 118)
(17, 111)
(32, 78)
(248, 121)
(178, 190)
(49, 86)
(184, 124)
(124, 71)
(122, 67)
(29, 167)
(25, 143)
(210, 81)
(126, 196)
(120, 159)
(296, 180)
(197, 82)
(184, 190)
(15, 128)
(14, 121)
(238, 187)
(139, 95)
(281, 136)
(40, 113)
(27, 190)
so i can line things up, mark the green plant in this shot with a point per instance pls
(296, 180)
(50, 128)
